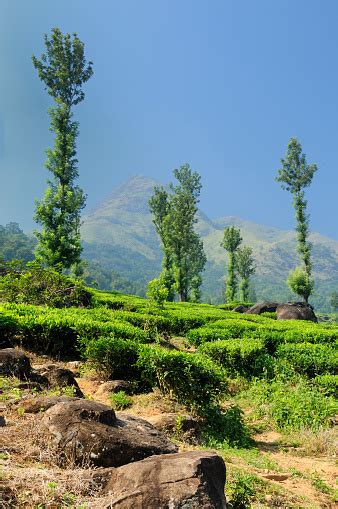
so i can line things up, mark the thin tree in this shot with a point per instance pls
(63, 69)
(294, 176)
(246, 268)
(174, 216)
(231, 242)
(159, 207)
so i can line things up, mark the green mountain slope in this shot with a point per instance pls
(119, 234)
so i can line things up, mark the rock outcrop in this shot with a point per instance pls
(14, 362)
(262, 307)
(53, 376)
(190, 480)
(88, 431)
(296, 311)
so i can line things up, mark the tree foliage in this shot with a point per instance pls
(246, 268)
(63, 69)
(231, 242)
(174, 216)
(14, 244)
(294, 176)
(300, 283)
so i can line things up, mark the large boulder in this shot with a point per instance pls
(262, 307)
(54, 376)
(14, 362)
(89, 431)
(190, 480)
(42, 403)
(296, 311)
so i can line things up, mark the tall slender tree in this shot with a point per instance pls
(231, 242)
(63, 69)
(294, 176)
(174, 216)
(159, 207)
(246, 268)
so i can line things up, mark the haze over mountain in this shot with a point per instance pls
(119, 234)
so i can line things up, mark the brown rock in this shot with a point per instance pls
(89, 431)
(14, 362)
(112, 386)
(190, 480)
(262, 307)
(42, 403)
(296, 311)
(174, 423)
(58, 377)
(240, 309)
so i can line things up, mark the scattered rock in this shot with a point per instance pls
(190, 480)
(262, 307)
(58, 377)
(296, 311)
(277, 477)
(43, 403)
(112, 386)
(89, 431)
(175, 423)
(240, 309)
(14, 362)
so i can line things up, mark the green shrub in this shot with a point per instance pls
(115, 358)
(328, 384)
(309, 359)
(8, 329)
(192, 379)
(293, 405)
(239, 356)
(120, 400)
(34, 284)
(243, 489)
(225, 427)
(157, 293)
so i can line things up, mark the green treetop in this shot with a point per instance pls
(64, 70)
(231, 242)
(294, 176)
(174, 216)
(246, 268)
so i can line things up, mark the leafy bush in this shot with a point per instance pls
(157, 293)
(300, 283)
(34, 284)
(120, 400)
(309, 359)
(293, 405)
(57, 332)
(115, 358)
(240, 356)
(225, 427)
(192, 379)
(328, 384)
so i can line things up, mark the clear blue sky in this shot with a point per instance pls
(220, 84)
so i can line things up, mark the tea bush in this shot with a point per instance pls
(35, 284)
(239, 356)
(192, 379)
(310, 359)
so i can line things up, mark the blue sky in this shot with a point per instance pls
(220, 84)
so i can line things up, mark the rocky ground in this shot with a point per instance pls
(62, 445)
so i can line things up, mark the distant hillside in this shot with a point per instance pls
(119, 234)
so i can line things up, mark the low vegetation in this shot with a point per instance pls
(239, 375)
